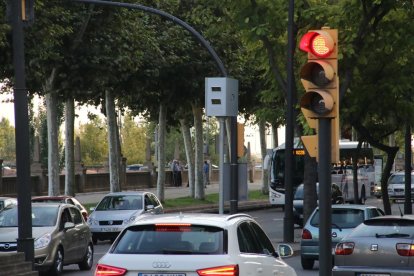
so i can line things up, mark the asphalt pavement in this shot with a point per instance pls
(213, 188)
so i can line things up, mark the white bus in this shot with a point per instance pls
(342, 173)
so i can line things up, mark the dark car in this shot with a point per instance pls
(298, 201)
(380, 246)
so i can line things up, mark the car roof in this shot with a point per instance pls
(128, 193)
(52, 197)
(219, 220)
(393, 218)
(351, 206)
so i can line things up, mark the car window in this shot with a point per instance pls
(120, 202)
(43, 216)
(399, 179)
(76, 216)
(342, 218)
(251, 241)
(263, 239)
(65, 217)
(8, 217)
(299, 193)
(175, 240)
(154, 200)
(375, 212)
(70, 201)
(385, 229)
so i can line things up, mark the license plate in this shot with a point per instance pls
(110, 230)
(161, 274)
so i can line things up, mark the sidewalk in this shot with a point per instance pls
(177, 192)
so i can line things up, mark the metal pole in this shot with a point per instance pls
(288, 226)
(234, 192)
(325, 207)
(25, 242)
(221, 153)
(407, 148)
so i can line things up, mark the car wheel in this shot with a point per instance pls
(307, 263)
(57, 267)
(94, 239)
(87, 261)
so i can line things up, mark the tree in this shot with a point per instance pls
(93, 139)
(7, 141)
(133, 140)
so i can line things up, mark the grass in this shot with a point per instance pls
(189, 201)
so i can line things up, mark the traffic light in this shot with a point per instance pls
(240, 140)
(319, 77)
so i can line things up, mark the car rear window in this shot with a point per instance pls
(342, 218)
(175, 239)
(385, 229)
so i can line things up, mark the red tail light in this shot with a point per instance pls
(229, 270)
(306, 234)
(405, 249)
(106, 270)
(344, 248)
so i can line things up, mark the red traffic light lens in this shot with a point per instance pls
(319, 44)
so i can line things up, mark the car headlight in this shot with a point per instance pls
(131, 219)
(92, 221)
(43, 241)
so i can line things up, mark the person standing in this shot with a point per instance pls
(206, 174)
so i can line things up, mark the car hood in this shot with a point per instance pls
(115, 214)
(10, 234)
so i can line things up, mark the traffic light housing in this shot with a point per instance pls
(319, 77)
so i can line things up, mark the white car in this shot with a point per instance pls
(193, 245)
(116, 210)
(396, 186)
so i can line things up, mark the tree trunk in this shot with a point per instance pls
(162, 124)
(356, 200)
(275, 136)
(189, 152)
(52, 136)
(114, 159)
(69, 147)
(198, 173)
(263, 149)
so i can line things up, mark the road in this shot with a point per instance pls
(271, 221)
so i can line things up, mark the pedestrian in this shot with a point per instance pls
(179, 177)
(173, 173)
(206, 174)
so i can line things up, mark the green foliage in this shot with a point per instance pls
(7, 141)
(93, 141)
(133, 140)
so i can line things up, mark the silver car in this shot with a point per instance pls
(6, 201)
(344, 219)
(379, 246)
(193, 244)
(396, 186)
(61, 236)
(116, 210)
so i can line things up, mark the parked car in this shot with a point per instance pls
(379, 246)
(61, 236)
(194, 244)
(134, 167)
(396, 186)
(6, 201)
(345, 217)
(299, 196)
(377, 190)
(117, 210)
(63, 199)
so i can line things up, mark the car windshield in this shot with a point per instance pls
(42, 216)
(342, 218)
(120, 202)
(171, 239)
(385, 229)
(399, 179)
(49, 200)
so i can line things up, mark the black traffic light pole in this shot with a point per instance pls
(324, 174)
(25, 242)
(223, 71)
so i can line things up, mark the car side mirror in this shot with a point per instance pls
(284, 250)
(68, 225)
(149, 207)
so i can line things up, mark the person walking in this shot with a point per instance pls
(206, 174)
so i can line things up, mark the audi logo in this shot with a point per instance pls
(6, 246)
(110, 222)
(161, 264)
